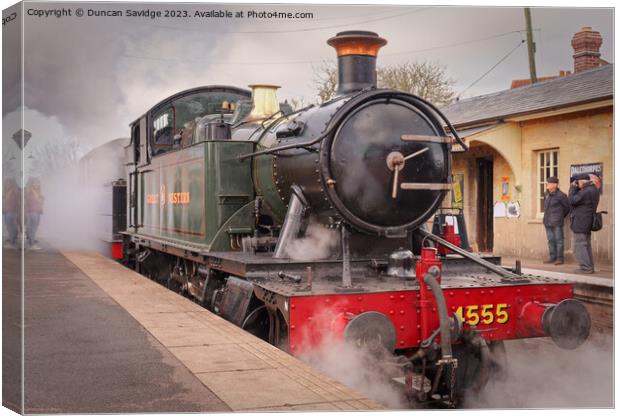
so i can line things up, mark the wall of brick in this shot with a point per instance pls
(586, 44)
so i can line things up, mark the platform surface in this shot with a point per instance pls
(243, 372)
(603, 275)
(83, 353)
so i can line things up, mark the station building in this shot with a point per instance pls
(519, 137)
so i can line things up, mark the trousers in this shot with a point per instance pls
(32, 224)
(10, 221)
(582, 247)
(555, 240)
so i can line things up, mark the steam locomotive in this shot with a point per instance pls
(223, 183)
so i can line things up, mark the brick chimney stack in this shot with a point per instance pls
(587, 44)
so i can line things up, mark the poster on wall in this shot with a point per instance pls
(595, 168)
(499, 210)
(458, 180)
(513, 209)
(505, 188)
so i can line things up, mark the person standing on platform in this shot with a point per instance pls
(583, 197)
(556, 208)
(10, 211)
(33, 199)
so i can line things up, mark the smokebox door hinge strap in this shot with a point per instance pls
(422, 186)
(426, 139)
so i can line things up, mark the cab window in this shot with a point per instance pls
(195, 106)
(174, 125)
(163, 130)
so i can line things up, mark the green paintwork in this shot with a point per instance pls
(237, 223)
(190, 194)
(265, 186)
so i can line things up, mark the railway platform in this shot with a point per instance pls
(595, 290)
(101, 338)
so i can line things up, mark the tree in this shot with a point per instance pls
(426, 80)
(297, 103)
(325, 80)
(53, 155)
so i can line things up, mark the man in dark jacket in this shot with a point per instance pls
(556, 208)
(583, 197)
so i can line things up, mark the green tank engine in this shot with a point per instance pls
(224, 182)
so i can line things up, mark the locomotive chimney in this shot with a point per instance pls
(264, 101)
(357, 59)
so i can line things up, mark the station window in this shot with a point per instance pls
(547, 161)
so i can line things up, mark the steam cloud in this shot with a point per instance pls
(350, 364)
(541, 375)
(358, 369)
(318, 243)
(77, 204)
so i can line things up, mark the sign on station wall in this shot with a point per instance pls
(595, 168)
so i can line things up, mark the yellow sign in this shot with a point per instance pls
(180, 198)
(457, 190)
(152, 199)
(484, 314)
(173, 198)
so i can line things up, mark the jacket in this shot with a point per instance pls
(33, 200)
(10, 200)
(583, 204)
(556, 208)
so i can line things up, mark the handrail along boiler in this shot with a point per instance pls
(223, 183)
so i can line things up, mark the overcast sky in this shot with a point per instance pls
(94, 75)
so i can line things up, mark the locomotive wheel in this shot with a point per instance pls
(268, 325)
(174, 285)
(471, 376)
(257, 322)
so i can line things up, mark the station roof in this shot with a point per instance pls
(580, 88)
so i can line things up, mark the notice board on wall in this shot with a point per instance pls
(458, 180)
(595, 168)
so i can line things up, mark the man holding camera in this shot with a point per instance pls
(583, 197)
(556, 208)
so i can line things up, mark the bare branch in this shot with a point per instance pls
(325, 80)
